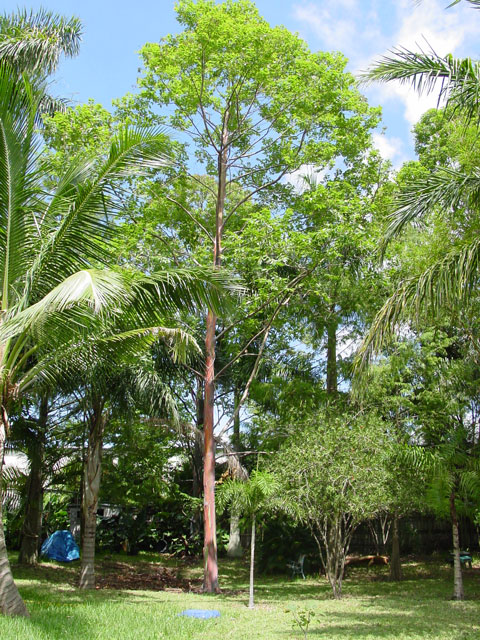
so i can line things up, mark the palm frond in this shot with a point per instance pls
(74, 224)
(188, 289)
(18, 179)
(446, 284)
(476, 3)
(444, 188)
(95, 289)
(251, 496)
(457, 80)
(35, 41)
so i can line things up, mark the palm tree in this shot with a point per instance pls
(109, 386)
(451, 280)
(34, 42)
(55, 287)
(251, 498)
(452, 469)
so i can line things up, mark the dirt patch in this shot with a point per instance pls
(145, 577)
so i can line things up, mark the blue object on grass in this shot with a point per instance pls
(203, 614)
(61, 546)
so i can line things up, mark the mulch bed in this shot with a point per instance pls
(145, 577)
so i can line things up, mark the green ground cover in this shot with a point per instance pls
(372, 607)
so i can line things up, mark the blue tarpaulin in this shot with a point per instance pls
(203, 614)
(61, 546)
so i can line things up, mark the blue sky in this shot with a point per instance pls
(114, 31)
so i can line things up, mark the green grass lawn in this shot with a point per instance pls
(372, 607)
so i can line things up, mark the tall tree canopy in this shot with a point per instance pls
(254, 104)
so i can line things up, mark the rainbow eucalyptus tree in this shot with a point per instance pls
(255, 105)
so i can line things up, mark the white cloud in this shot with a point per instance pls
(425, 26)
(364, 30)
(391, 148)
(348, 26)
(297, 178)
(334, 31)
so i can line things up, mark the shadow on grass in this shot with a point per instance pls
(391, 625)
(418, 606)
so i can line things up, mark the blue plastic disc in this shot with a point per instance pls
(203, 614)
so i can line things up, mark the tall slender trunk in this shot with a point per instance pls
(332, 374)
(11, 603)
(32, 523)
(210, 579)
(457, 567)
(210, 576)
(236, 420)
(395, 564)
(91, 489)
(234, 548)
(252, 564)
(197, 449)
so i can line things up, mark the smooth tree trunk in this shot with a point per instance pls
(457, 567)
(210, 575)
(234, 548)
(91, 489)
(395, 564)
(11, 603)
(32, 524)
(197, 448)
(252, 565)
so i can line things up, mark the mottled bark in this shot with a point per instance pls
(395, 564)
(32, 523)
(210, 575)
(197, 449)
(91, 489)
(11, 603)
(458, 593)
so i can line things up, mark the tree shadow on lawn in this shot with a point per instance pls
(61, 612)
(58, 611)
(392, 624)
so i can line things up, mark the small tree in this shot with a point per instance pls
(250, 498)
(332, 477)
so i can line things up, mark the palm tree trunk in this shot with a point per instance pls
(395, 564)
(457, 567)
(11, 603)
(32, 524)
(252, 564)
(91, 489)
